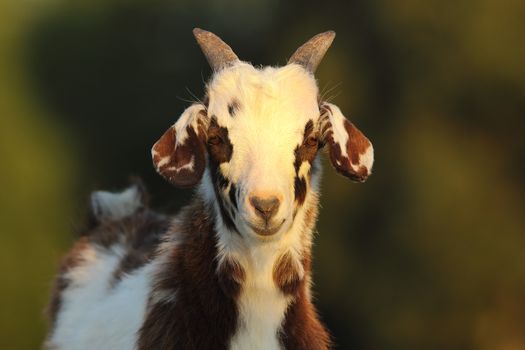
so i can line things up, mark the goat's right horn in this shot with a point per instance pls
(217, 52)
(310, 54)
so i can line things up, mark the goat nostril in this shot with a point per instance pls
(265, 207)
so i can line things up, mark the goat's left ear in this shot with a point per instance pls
(351, 153)
(179, 154)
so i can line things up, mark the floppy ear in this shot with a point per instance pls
(351, 153)
(179, 154)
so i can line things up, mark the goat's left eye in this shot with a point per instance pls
(214, 140)
(312, 141)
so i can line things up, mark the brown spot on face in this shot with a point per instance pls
(233, 107)
(300, 189)
(285, 274)
(205, 313)
(220, 183)
(305, 152)
(220, 147)
(233, 195)
(220, 151)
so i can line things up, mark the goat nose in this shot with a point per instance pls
(265, 207)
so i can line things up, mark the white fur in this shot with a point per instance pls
(95, 315)
(115, 206)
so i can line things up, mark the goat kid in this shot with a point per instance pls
(233, 269)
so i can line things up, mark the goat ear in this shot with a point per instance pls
(179, 154)
(351, 153)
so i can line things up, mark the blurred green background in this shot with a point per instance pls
(428, 254)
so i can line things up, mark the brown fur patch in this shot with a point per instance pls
(300, 189)
(205, 313)
(305, 152)
(221, 151)
(285, 274)
(302, 329)
(231, 276)
(357, 142)
(233, 107)
(308, 149)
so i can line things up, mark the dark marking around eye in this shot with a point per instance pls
(219, 184)
(233, 107)
(233, 195)
(305, 152)
(300, 189)
(220, 153)
(308, 128)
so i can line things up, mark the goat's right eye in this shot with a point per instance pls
(214, 140)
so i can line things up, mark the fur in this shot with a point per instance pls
(217, 275)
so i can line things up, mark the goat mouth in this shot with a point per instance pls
(266, 230)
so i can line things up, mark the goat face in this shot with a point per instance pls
(256, 140)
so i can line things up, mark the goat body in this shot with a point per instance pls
(232, 270)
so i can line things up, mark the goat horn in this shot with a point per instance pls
(217, 52)
(310, 54)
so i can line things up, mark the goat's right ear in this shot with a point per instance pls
(351, 152)
(179, 154)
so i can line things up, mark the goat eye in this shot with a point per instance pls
(214, 140)
(312, 141)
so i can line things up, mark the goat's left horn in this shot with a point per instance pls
(217, 52)
(310, 54)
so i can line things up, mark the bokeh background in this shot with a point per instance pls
(428, 254)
